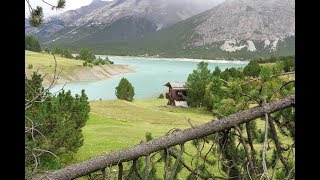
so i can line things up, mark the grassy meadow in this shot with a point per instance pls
(118, 124)
(69, 70)
(45, 63)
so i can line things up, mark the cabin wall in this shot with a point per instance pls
(173, 95)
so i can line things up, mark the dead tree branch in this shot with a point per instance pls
(257, 79)
(264, 164)
(172, 139)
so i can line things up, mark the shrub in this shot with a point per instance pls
(85, 63)
(161, 96)
(125, 90)
(47, 50)
(252, 69)
(196, 85)
(32, 44)
(87, 55)
(96, 62)
(59, 118)
(30, 66)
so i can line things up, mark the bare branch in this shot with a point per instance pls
(135, 168)
(166, 163)
(120, 166)
(245, 149)
(278, 144)
(48, 3)
(146, 169)
(171, 153)
(257, 79)
(175, 166)
(155, 145)
(264, 165)
(42, 150)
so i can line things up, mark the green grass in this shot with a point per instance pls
(45, 63)
(67, 69)
(41, 60)
(268, 64)
(118, 124)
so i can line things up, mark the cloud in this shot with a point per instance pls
(75, 4)
(70, 4)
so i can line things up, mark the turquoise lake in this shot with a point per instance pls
(148, 80)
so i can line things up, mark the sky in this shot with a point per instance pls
(70, 5)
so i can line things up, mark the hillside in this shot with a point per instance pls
(72, 70)
(118, 124)
(118, 20)
(233, 29)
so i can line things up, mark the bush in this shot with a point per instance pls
(125, 90)
(85, 63)
(59, 118)
(90, 65)
(196, 85)
(32, 44)
(30, 66)
(161, 96)
(96, 62)
(102, 62)
(47, 50)
(252, 69)
(87, 55)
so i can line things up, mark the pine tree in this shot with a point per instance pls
(87, 55)
(59, 118)
(196, 85)
(125, 90)
(32, 44)
(252, 69)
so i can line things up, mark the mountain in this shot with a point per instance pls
(248, 20)
(116, 21)
(232, 29)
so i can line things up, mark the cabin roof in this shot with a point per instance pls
(176, 85)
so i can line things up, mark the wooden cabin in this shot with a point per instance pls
(176, 94)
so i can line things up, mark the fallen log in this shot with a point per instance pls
(175, 138)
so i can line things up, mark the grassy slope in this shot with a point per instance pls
(45, 63)
(117, 124)
(40, 60)
(72, 70)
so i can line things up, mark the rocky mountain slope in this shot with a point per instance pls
(246, 20)
(118, 20)
(232, 29)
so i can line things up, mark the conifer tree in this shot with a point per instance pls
(125, 90)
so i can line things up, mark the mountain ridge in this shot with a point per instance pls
(231, 29)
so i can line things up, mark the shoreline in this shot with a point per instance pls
(182, 59)
(88, 74)
(176, 59)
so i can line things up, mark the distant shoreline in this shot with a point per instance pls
(177, 59)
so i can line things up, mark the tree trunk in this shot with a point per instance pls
(178, 137)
